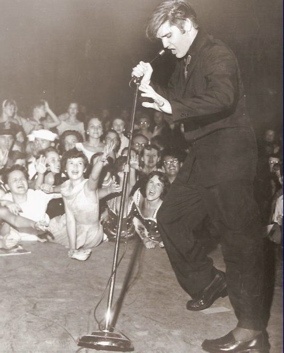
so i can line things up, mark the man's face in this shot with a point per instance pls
(174, 40)
(6, 142)
(150, 158)
(171, 165)
(144, 123)
(17, 183)
(272, 162)
(41, 144)
(138, 143)
(269, 135)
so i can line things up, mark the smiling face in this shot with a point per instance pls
(154, 188)
(53, 161)
(75, 168)
(73, 109)
(171, 165)
(177, 41)
(95, 128)
(17, 183)
(118, 125)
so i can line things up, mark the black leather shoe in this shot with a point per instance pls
(229, 344)
(216, 289)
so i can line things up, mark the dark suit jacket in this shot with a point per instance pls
(211, 104)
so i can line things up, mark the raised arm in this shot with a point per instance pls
(98, 165)
(55, 119)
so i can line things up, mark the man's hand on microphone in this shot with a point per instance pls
(160, 103)
(143, 69)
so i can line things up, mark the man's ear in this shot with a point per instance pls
(7, 187)
(187, 25)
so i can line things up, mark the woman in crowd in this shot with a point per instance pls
(71, 122)
(93, 143)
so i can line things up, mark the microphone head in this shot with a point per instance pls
(162, 52)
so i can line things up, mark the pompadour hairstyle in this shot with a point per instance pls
(174, 11)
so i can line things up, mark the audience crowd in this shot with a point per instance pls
(61, 176)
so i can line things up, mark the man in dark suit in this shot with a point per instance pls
(206, 94)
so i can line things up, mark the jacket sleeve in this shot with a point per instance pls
(218, 87)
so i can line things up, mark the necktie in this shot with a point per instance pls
(186, 63)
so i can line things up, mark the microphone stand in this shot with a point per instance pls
(107, 339)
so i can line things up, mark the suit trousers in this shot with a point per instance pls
(234, 212)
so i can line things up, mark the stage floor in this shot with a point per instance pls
(48, 301)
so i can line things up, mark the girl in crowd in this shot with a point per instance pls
(71, 122)
(111, 136)
(118, 125)
(8, 118)
(80, 229)
(146, 203)
(69, 139)
(39, 118)
(94, 142)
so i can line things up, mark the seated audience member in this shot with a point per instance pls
(93, 143)
(20, 142)
(49, 173)
(144, 126)
(172, 160)
(110, 215)
(39, 118)
(71, 122)
(80, 228)
(139, 141)
(68, 140)
(20, 199)
(118, 125)
(146, 203)
(112, 137)
(8, 240)
(41, 140)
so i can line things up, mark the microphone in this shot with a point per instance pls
(138, 79)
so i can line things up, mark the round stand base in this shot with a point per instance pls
(107, 341)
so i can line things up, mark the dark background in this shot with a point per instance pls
(63, 50)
